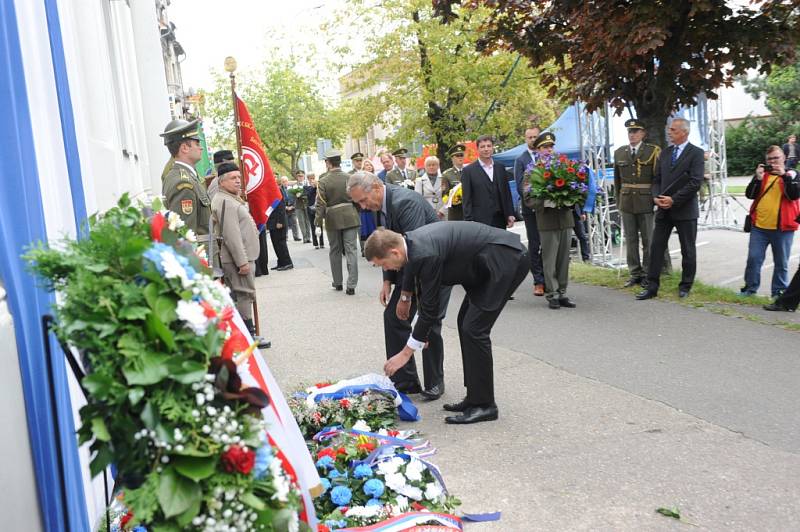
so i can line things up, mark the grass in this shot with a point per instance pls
(736, 189)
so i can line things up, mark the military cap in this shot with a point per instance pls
(224, 168)
(180, 130)
(545, 139)
(400, 152)
(634, 123)
(223, 155)
(458, 149)
(332, 154)
(357, 156)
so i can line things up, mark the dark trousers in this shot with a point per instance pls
(687, 234)
(312, 216)
(396, 332)
(474, 330)
(580, 234)
(278, 237)
(534, 247)
(262, 262)
(791, 297)
(498, 220)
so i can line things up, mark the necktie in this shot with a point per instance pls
(674, 155)
(633, 153)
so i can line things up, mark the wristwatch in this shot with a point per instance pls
(404, 298)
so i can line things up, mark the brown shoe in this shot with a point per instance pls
(538, 290)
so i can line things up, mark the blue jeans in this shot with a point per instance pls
(781, 243)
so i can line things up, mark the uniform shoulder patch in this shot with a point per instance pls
(185, 186)
(187, 206)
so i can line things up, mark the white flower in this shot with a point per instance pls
(173, 268)
(387, 467)
(414, 470)
(395, 481)
(279, 480)
(193, 314)
(400, 506)
(433, 491)
(190, 236)
(174, 220)
(364, 512)
(362, 426)
(412, 492)
(293, 524)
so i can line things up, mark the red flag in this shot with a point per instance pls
(263, 193)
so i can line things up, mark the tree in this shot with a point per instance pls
(782, 90)
(653, 56)
(425, 80)
(288, 112)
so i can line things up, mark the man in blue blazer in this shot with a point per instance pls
(677, 179)
(528, 215)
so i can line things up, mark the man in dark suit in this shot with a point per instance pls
(387, 161)
(677, 179)
(277, 223)
(485, 192)
(489, 263)
(403, 210)
(528, 215)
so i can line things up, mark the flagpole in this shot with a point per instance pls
(230, 66)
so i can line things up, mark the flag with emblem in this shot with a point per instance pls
(263, 193)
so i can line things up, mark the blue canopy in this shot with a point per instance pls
(567, 134)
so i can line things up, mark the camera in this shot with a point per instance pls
(768, 168)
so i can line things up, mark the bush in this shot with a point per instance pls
(747, 141)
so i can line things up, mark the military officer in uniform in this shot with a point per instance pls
(183, 191)
(452, 177)
(238, 236)
(401, 172)
(358, 161)
(634, 166)
(341, 220)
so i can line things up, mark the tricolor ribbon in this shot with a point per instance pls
(408, 521)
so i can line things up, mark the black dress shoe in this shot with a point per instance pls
(632, 282)
(473, 414)
(284, 268)
(778, 307)
(565, 302)
(683, 293)
(408, 387)
(274, 268)
(457, 407)
(646, 294)
(434, 392)
(338, 287)
(351, 291)
(553, 304)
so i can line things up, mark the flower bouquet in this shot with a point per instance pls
(455, 196)
(369, 479)
(167, 399)
(558, 180)
(409, 184)
(296, 190)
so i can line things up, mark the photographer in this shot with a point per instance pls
(774, 192)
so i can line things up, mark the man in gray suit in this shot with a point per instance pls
(403, 210)
(677, 179)
(490, 264)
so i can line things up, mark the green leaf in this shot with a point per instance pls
(100, 430)
(97, 267)
(167, 527)
(101, 460)
(186, 371)
(669, 512)
(156, 328)
(191, 451)
(186, 517)
(253, 502)
(165, 309)
(150, 416)
(150, 294)
(150, 368)
(195, 468)
(135, 395)
(98, 385)
(134, 313)
(282, 520)
(177, 494)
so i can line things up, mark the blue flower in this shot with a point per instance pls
(362, 471)
(139, 528)
(325, 462)
(334, 473)
(326, 484)
(263, 459)
(373, 488)
(333, 525)
(153, 254)
(341, 495)
(374, 502)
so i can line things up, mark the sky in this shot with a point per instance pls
(209, 31)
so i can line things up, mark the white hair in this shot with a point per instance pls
(685, 125)
(366, 181)
(430, 159)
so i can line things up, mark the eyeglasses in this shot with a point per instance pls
(776, 158)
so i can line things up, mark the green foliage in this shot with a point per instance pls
(288, 111)
(424, 80)
(747, 142)
(781, 88)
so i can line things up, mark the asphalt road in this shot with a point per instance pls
(608, 411)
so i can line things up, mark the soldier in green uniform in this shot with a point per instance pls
(341, 219)
(358, 162)
(401, 172)
(183, 191)
(452, 177)
(634, 166)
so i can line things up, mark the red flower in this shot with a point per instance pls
(570, 169)
(393, 433)
(562, 158)
(327, 451)
(317, 416)
(125, 519)
(417, 506)
(341, 450)
(157, 226)
(204, 262)
(367, 447)
(344, 403)
(547, 174)
(322, 528)
(560, 182)
(582, 176)
(322, 384)
(239, 459)
(208, 310)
